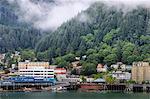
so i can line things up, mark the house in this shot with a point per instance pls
(128, 67)
(77, 58)
(120, 75)
(101, 68)
(13, 66)
(2, 57)
(89, 80)
(114, 66)
(75, 64)
(84, 57)
(60, 73)
(119, 66)
(77, 67)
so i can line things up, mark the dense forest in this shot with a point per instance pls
(15, 35)
(107, 36)
(103, 34)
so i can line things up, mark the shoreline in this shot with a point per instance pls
(84, 88)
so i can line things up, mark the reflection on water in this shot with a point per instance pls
(72, 95)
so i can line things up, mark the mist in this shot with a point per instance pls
(50, 15)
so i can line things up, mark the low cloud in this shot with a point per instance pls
(50, 15)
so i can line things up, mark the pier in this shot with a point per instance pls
(22, 86)
(10, 86)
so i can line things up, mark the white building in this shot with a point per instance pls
(129, 67)
(2, 57)
(101, 68)
(121, 75)
(36, 71)
(119, 66)
(89, 80)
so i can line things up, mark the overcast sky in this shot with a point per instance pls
(49, 16)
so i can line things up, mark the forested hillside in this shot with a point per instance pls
(106, 36)
(15, 35)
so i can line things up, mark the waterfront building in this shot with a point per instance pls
(39, 70)
(89, 80)
(71, 80)
(60, 73)
(120, 75)
(141, 72)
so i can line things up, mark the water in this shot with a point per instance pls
(72, 95)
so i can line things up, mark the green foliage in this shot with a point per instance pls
(110, 36)
(28, 55)
(83, 78)
(88, 38)
(110, 59)
(110, 80)
(88, 69)
(131, 82)
(61, 62)
(69, 57)
(15, 34)
(99, 75)
(42, 56)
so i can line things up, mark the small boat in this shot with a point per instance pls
(27, 89)
(59, 89)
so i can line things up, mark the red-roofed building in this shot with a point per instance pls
(60, 73)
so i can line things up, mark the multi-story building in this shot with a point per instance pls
(141, 72)
(119, 75)
(38, 70)
(27, 65)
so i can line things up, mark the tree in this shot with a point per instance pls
(42, 56)
(110, 79)
(69, 57)
(131, 53)
(99, 75)
(88, 69)
(28, 55)
(108, 38)
(110, 59)
(61, 62)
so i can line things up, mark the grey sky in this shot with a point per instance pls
(49, 16)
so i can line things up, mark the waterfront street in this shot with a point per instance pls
(72, 95)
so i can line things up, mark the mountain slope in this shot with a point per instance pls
(106, 30)
(14, 34)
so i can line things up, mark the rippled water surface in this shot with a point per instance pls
(72, 95)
